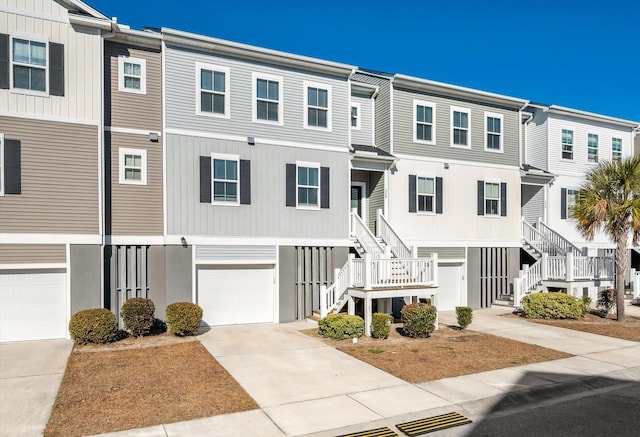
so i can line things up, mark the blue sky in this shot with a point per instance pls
(579, 54)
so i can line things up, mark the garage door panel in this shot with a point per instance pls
(236, 294)
(33, 306)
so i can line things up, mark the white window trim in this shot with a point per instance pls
(306, 85)
(358, 125)
(492, 181)
(415, 121)
(122, 151)
(254, 98)
(309, 165)
(418, 195)
(613, 152)
(486, 132)
(573, 145)
(468, 112)
(1, 164)
(227, 91)
(567, 206)
(226, 157)
(597, 148)
(34, 38)
(143, 74)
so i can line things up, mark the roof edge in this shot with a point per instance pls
(555, 109)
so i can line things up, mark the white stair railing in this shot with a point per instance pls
(331, 298)
(385, 231)
(557, 239)
(365, 237)
(539, 241)
(530, 277)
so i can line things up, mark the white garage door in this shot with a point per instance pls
(231, 295)
(33, 305)
(449, 278)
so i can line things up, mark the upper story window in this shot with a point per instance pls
(133, 166)
(355, 115)
(426, 194)
(493, 134)
(460, 127)
(491, 198)
(212, 90)
(592, 148)
(567, 144)
(225, 179)
(424, 122)
(572, 197)
(132, 75)
(317, 105)
(616, 149)
(308, 185)
(29, 64)
(267, 99)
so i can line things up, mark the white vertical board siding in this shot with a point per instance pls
(403, 119)
(459, 224)
(81, 100)
(267, 215)
(364, 135)
(537, 148)
(180, 86)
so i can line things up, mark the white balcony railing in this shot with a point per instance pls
(384, 230)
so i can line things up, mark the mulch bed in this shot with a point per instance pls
(596, 324)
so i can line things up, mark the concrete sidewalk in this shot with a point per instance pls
(304, 387)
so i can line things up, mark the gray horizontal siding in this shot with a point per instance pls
(267, 214)
(32, 253)
(443, 252)
(180, 79)
(403, 130)
(235, 253)
(537, 153)
(364, 134)
(532, 203)
(382, 108)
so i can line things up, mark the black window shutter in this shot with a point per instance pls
(480, 197)
(245, 182)
(438, 195)
(503, 199)
(563, 203)
(324, 187)
(412, 193)
(56, 71)
(12, 173)
(4, 61)
(291, 185)
(205, 179)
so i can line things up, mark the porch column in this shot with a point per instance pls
(569, 266)
(367, 316)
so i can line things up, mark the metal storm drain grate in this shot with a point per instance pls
(431, 424)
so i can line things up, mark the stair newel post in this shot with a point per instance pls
(569, 257)
(525, 276)
(336, 291)
(414, 251)
(434, 267)
(517, 290)
(354, 212)
(378, 221)
(351, 270)
(544, 267)
(323, 301)
(366, 271)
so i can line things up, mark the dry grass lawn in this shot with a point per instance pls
(137, 383)
(627, 330)
(448, 352)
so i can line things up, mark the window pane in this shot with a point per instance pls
(206, 102)
(262, 88)
(219, 81)
(302, 196)
(132, 82)
(38, 53)
(21, 77)
(464, 120)
(312, 117)
(312, 96)
(313, 176)
(232, 170)
(420, 113)
(303, 176)
(492, 190)
(322, 118)
(218, 103)
(323, 98)
(262, 110)
(206, 80)
(491, 207)
(272, 111)
(38, 79)
(493, 141)
(132, 174)
(219, 169)
(232, 191)
(456, 119)
(273, 90)
(21, 50)
(219, 191)
(313, 196)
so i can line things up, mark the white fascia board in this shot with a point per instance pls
(256, 241)
(96, 23)
(464, 243)
(34, 266)
(50, 239)
(554, 109)
(86, 8)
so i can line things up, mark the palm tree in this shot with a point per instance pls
(609, 200)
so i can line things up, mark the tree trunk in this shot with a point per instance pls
(622, 261)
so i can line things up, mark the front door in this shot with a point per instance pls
(357, 199)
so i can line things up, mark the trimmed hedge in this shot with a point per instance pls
(341, 326)
(137, 315)
(419, 319)
(96, 325)
(183, 318)
(381, 325)
(552, 306)
(464, 315)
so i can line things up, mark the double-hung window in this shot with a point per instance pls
(133, 166)
(592, 148)
(29, 64)
(317, 106)
(308, 185)
(616, 149)
(225, 179)
(212, 90)
(491, 198)
(426, 194)
(267, 91)
(460, 127)
(493, 134)
(567, 144)
(355, 115)
(424, 122)
(132, 75)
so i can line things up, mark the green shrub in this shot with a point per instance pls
(426, 300)
(464, 316)
(419, 319)
(137, 315)
(586, 304)
(552, 306)
(97, 325)
(607, 300)
(183, 318)
(381, 325)
(341, 326)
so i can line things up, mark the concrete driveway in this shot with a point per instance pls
(30, 376)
